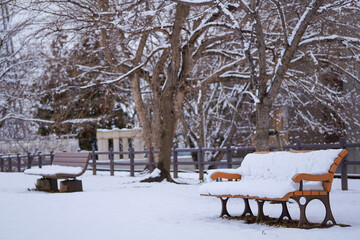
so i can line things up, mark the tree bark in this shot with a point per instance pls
(262, 127)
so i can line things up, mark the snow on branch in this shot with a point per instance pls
(81, 120)
(222, 70)
(295, 31)
(132, 70)
(280, 9)
(29, 119)
(255, 98)
(225, 10)
(333, 4)
(342, 69)
(198, 2)
(24, 118)
(328, 39)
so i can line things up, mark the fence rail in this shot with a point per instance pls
(19, 162)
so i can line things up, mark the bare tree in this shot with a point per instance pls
(279, 33)
(15, 85)
(172, 54)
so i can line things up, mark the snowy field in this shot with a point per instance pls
(121, 208)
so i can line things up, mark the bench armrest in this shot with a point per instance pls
(312, 177)
(217, 175)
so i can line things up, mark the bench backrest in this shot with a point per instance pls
(284, 165)
(79, 159)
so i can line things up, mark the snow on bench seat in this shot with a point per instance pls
(54, 170)
(269, 175)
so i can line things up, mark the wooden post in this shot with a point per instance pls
(40, 159)
(52, 154)
(1, 164)
(132, 166)
(201, 163)
(18, 163)
(151, 159)
(175, 162)
(9, 164)
(93, 156)
(228, 155)
(28, 160)
(111, 156)
(344, 177)
(298, 144)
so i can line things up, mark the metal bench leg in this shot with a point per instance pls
(260, 215)
(329, 218)
(224, 211)
(302, 201)
(247, 210)
(285, 212)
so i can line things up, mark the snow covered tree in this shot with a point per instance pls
(15, 71)
(280, 39)
(187, 46)
(218, 114)
(202, 58)
(70, 108)
(71, 98)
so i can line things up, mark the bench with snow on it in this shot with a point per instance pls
(64, 166)
(277, 177)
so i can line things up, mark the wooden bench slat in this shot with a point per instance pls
(82, 165)
(333, 168)
(225, 175)
(312, 177)
(68, 160)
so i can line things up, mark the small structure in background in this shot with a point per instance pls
(120, 140)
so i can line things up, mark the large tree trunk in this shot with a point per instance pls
(262, 127)
(169, 109)
(168, 125)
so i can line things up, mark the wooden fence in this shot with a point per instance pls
(19, 162)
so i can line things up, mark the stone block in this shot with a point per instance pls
(47, 184)
(71, 186)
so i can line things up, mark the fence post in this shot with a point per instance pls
(9, 164)
(201, 163)
(28, 160)
(111, 156)
(93, 156)
(132, 165)
(175, 161)
(40, 159)
(18, 163)
(344, 177)
(151, 159)
(298, 144)
(1, 164)
(52, 154)
(228, 155)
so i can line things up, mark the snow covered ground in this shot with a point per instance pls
(120, 207)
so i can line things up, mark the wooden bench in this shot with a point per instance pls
(64, 166)
(278, 176)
